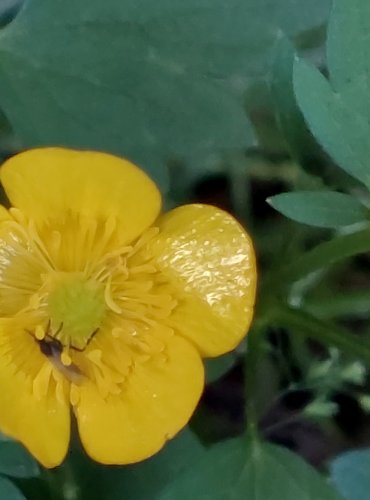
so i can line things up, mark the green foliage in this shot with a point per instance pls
(350, 472)
(241, 89)
(8, 10)
(141, 80)
(338, 112)
(15, 461)
(331, 119)
(288, 115)
(322, 209)
(149, 479)
(152, 81)
(216, 368)
(246, 469)
(291, 15)
(9, 491)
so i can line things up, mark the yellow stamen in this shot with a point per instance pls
(39, 332)
(66, 358)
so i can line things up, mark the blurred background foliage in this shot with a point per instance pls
(226, 103)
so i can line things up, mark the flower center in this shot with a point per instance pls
(83, 306)
(76, 307)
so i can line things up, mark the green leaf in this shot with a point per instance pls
(350, 472)
(348, 50)
(241, 469)
(148, 80)
(15, 461)
(8, 10)
(216, 368)
(338, 113)
(147, 479)
(300, 142)
(8, 491)
(342, 131)
(321, 208)
(292, 16)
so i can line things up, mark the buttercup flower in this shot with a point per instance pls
(108, 307)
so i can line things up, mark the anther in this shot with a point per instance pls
(39, 332)
(65, 358)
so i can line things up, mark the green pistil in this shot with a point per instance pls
(78, 305)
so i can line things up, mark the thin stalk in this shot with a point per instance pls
(350, 303)
(252, 357)
(62, 482)
(326, 333)
(322, 256)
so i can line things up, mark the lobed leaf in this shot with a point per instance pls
(342, 131)
(338, 112)
(239, 469)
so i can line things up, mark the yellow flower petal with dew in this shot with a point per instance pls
(158, 400)
(29, 410)
(108, 314)
(50, 182)
(209, 260)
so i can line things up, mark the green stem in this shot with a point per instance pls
(62, 482)
(251, 364)
(350, 303)
(240, 187)
(322, 256)
(326, 333)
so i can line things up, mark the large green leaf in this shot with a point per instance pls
(292, 16)
(350, 472)
(239, 469)
(142, 79)
(148, 80)
(146, 480)
(319, 208)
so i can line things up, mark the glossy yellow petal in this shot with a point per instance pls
(50, 183)
(157, 400)
(41, 424)
(209, 260)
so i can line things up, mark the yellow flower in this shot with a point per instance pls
(107, 307)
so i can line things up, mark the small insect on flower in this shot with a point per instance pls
(54, 350)
(107, 307)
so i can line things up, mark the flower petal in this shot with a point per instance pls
(50, 182)
(42, 425)
(209, 259)
(158, 400)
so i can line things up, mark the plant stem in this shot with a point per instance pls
(326, 333)
(322, 256)
(350, 303)
(251, 365)
(62, 482)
